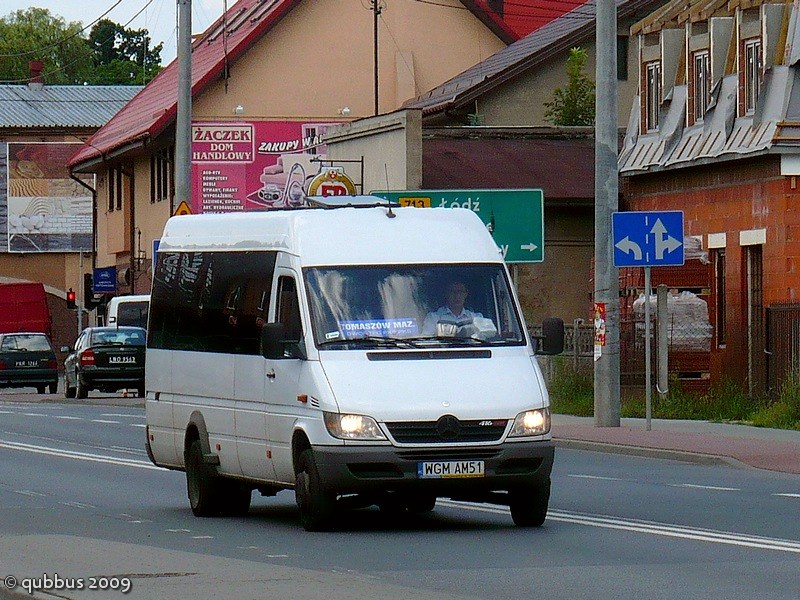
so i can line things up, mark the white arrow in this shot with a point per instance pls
(627, 246)
(530, 247)
(664, 242)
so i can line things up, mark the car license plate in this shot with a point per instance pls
(27, 363)
(450, 469)
(116, 360)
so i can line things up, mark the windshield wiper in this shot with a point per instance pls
(372, 340)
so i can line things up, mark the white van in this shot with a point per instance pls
(306, 349)
(128, 310)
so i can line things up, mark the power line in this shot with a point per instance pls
(88, 54)
(64, 39)
(574, 11)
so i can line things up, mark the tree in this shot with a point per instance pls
(36, 34)
(573, 105)
(112, 54)
(123, 56)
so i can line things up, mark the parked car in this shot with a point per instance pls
(28, 360)
(106, 359)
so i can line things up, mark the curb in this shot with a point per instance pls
(662, 453)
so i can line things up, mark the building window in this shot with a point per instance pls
(702, 85)
(162, 184)
(752, 74)
(115, 194)
(653, 96)
(719, 295)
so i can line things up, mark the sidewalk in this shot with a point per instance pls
(698, 441)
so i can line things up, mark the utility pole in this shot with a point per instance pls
(606, 190)
(183, 124)
(376, 11)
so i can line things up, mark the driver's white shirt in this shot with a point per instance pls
(444, 313)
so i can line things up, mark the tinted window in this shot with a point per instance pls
(133, 313)
(210, 301)
(126, 336)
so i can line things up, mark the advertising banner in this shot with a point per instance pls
(254, 165)
(45, 210)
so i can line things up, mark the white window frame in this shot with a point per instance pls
(702, 78)
(752, 74)
(653, 94)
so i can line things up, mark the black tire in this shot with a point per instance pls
(69, 392)
(53, 388)
(529, 505)
(316, 504)
(81, 390)
(40, 389)
(203, 485)
(140, 391)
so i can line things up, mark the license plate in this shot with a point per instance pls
(27, 363)
(447, 469)
(116, 360)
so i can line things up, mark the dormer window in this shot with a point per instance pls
(702, 84)
(752, 74)
(653, 94)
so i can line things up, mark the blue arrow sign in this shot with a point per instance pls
(648, 238)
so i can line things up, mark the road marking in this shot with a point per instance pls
(77, 505)
(124, 462)
(142, 425)
(67, 418)
(6, 412)
(178, 530)
(650, 527)
(202, 537)
(706, 487)
(105, 421)
(595, 477)
(34, 414)
(788, 495)
(30, 493)
(122, 415)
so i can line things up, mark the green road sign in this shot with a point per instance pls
(515, 218)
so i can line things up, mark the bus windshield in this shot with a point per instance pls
(412, 306)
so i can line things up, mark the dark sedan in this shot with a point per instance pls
(28, 360)
(106, 359)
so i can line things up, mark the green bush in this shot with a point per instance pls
(784, 412)
(572, 393)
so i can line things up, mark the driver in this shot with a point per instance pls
(453, 310)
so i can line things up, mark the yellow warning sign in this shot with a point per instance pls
(183, 209)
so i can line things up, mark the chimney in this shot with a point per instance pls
(36, 81)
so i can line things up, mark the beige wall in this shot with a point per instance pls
(307, 68)
(390, 145)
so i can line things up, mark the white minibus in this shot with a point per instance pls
(363, 355)
(128, 310)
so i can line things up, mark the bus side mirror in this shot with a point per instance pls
(552, 341)
(274, 344)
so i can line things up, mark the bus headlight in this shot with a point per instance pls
(531, 422)
(352, 427)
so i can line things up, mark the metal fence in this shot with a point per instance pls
(783, 343)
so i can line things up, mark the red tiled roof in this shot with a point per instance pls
(503, 163)
(153, 109)
(518, 18)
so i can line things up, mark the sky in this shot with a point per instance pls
(157, 16)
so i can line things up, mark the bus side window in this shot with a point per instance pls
(289, 309)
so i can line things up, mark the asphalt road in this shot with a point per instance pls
(79, 500)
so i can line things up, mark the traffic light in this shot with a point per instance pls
(71, 299)
(89, 300)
